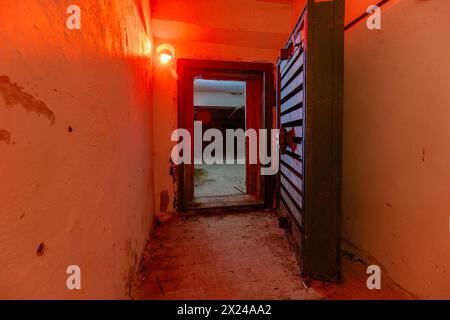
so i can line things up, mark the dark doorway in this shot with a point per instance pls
(203, 185)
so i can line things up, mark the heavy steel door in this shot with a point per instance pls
(309, 114)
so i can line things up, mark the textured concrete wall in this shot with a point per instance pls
(232, 30)
(397, 144)
(75, 146)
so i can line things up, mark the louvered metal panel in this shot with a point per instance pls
(309, 114)
(291, 100)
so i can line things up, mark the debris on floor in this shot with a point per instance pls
(238, 256)
(219, 180)
(233, 256)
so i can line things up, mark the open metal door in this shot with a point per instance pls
(309, 115)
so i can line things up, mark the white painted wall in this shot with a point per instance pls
(396, 193)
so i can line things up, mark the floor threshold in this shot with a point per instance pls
(223, 202)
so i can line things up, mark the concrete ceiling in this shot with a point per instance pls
(250, 23)
(219, 86)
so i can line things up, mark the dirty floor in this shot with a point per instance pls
(235, 256)
(219, 180)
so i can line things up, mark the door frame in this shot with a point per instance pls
(187, 70)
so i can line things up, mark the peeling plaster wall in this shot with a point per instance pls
(396, 192)
(232, 30)
(76, 179)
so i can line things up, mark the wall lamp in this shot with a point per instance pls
(165, 53)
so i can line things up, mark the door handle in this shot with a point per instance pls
(287, 139)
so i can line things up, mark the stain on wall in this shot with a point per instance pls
(164, 200)
(15, 95)
(5, 136)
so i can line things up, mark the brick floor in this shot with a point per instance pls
(232, 256)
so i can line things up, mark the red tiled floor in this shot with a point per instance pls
(233, 256)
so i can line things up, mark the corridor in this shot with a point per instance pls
(237, 256)
(173, 149)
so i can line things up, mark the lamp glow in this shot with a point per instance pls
(165, 57)
(165, 53)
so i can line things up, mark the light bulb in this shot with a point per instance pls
(165, 57)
